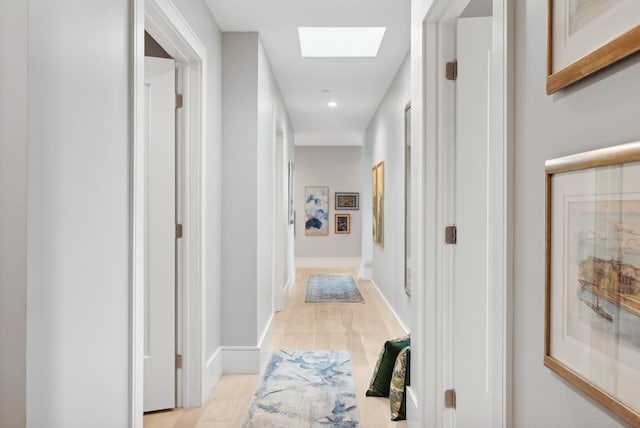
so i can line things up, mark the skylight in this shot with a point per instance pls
(340, 41)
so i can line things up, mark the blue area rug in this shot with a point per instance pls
(333, 289)
(305, 389)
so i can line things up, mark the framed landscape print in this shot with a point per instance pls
(585, 36)
(592, 316)
(378, 204)
(347, 201)
(343, 224)
(316, 211)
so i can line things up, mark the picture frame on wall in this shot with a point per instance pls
(347, 201)
(585, 36)
(316, 211)
(407, 199)
(378, 203)
(343, 224)
(592, 299)
(290, 187)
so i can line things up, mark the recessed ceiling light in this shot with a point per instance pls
(326, 91)
(340, 41)
(332, 104)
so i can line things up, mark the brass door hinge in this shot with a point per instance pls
(450, 399)
(178, 231)
(178, 361)
(451, 235)
(451, 70)
(178, 100)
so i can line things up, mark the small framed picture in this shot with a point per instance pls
(343, 223)
(347, 201)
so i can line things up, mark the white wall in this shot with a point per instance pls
(13, 213)
(384, 139)
(338, 168)
(272, 115)
(600, 111)
(78, 214)
(252, 107)
(239, 187)
(197, 14)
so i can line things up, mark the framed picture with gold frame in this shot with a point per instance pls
(585, 36)
(378, 203)
(592, 309)
(343, 224)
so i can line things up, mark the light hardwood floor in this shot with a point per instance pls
(360, 328)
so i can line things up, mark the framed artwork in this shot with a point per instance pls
(592, 316)
(347, 201)
(316, 211)
(343, 223)
(378, 204)
(291, 177)
(407, 199)
(585, 36)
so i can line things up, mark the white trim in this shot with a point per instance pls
(163, 21)
(430, 211)
(248, 359)
(404, 327)
(137, 225)
(212, 371)
(412, 400)
(290, 282)
(366, 273)
(328, 262)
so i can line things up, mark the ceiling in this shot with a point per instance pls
(356, 84)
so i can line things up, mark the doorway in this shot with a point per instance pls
(460, 96)
(162, 21)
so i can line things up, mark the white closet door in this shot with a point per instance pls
(159, 352)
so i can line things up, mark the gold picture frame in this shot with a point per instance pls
(342, 224)
(592, 299)
(378, 203)
(584, 36)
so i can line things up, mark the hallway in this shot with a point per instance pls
(359, 328)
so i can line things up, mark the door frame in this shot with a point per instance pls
(166, 25)
(433, 124)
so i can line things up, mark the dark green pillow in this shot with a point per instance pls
(379, 385)
(399, 381)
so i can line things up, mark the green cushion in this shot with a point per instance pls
(399, 379)
(379, 386)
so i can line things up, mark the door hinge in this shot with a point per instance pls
(450, 399)
(451, 235)
(178, 361)
(178, 100)
(178, 231)
(452, 70)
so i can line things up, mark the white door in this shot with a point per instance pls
(472, 349)
(159, 305)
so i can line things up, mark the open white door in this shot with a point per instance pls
(472, 336)
(159, 303)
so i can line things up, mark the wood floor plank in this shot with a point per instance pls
(360, 328)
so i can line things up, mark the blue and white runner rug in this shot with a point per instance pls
(333, 289)
(305, 389)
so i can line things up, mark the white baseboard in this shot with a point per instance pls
(212, 373)
(328, 262)
(366, 273)
(248, 359)
(404, 327)
(241, 359)
(290, 282)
